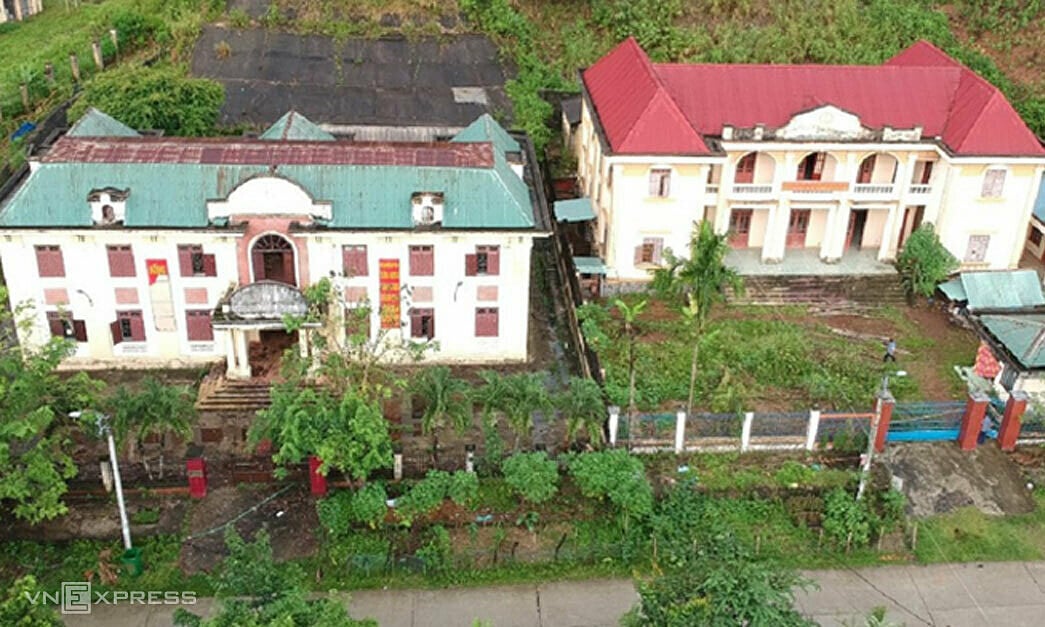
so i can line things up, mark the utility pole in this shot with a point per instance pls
(106, 429)
(876, 421)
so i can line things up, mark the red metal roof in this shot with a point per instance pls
(638, 102)
(223, 151)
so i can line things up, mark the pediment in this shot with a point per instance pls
(826, 122)
(269, 195)
(266, 300)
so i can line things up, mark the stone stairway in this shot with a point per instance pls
(224, 395)
(866, 290)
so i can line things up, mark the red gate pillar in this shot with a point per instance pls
(318, 481)
(972, 420)
(1010, 422)
(885, 403)
(196, 469)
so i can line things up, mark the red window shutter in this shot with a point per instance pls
(431, 324)
(258, 261)
(198, 326)
(49, 261)
(927, 172)
(210, 265)
(486, 322)
(493, 260)
(415, 323)
(288, 268)
(117, 336)
(54, 323)
(422, 260)
(471, 265)
(121, 261)
(80, 330)
(818, 166)
(185, 260)
(658, 248)
(137, 326)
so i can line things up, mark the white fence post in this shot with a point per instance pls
(614, 423)
(812, 429)
(680, 431)
(745, 433)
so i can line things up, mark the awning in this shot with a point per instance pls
(574, 210)
(953, 290)
(589, 265)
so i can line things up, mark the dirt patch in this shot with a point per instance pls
(938, 478)
(97, 518)
(290, 518)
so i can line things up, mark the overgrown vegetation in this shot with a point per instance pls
(924, 262)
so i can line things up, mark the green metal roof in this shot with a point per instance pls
(1022, 335)
(293, 125)
(1013, 289)
(486, 129)
(362, 196)
(589, 265)
(574, 210)
(94, 123)
(953, 289)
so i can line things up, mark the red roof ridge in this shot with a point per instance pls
(922, 53)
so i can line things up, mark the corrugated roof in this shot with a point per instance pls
(94, 123)
(1022, 335)
(369, 185)
(953, 289)
(1012, 289)
(589, 265)
(574, 210)
(638, 102)
(486, 129)
(293, 125)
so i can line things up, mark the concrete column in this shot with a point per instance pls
(891, 233)
(725, 189)
(614, 424)
(303, 340)
(812, 429)
(776, 232)
(17, 6)
(680, 431)
(833, 246)
(972, 420)
(1010, 422)
(238, 358)
(884, 404)
(745, 432)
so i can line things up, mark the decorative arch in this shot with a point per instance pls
(877, 167)
(273, 257)
(269, 195)
(755, 167)
(816, 166)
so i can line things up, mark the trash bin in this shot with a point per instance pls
(132, 562)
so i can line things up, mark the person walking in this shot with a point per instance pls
(890, 351)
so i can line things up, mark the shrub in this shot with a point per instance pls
(794, 473)
(847, 521)
(924, 262)
(463, 488)
(532, 476)
(425, 497)
(617, 476)
(437, 553)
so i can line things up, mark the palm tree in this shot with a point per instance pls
(524, 393)
(700, 282)
(584, 409)
(447, 403)
(629, 321)
(156, 409)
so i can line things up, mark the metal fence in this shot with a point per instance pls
(926, 421)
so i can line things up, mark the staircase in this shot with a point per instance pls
(867, 290)
(224, 395)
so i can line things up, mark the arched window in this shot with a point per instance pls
(272, 257)
(746, 168)
(811, 168)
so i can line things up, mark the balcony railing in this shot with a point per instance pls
(712, 188)
(919, 188)
(815, 187)
(873, 189)
(748, 189)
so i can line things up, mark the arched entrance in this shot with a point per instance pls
(272, 258)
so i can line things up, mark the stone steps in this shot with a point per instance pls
(867, 290)
(235, 396)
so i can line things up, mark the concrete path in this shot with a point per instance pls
(946, 595)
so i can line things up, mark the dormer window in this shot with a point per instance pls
(108, 206)
(427, 208)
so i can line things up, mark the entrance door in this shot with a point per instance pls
(739, 227)
(273, 259)
(857, 222)
(797, 227)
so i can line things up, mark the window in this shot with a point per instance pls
(197, 325)
(354, 260)
(993, 183)
(650, 251)
(745, 169)
(1035, 236)
(193, 262)
(62, 325)
(49, 261)
(121, 260)
(977, 249)
(660, 182)
(422, 261)
(108, 214)
(812, 167)
(485, 261)
(866, 169)
(129, 327)
(486, 322)
(422, 323)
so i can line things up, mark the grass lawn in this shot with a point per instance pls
(968, 535)
(787, 358)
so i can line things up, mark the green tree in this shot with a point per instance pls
(616, 476)
(17, 608)
(524, 393)
(161, 97)
(631, 330)
(924, 262)
(255, 591)
(447, 403)
(348, 434)
(155, 409)
(532, 475)
(34, 425)
(700, 282)
(584, 409)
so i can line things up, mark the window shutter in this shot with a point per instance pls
(654, 183)
(54, 323)
(210, 265)
(927, 172)
(80, 330)
(431, 324)
(117, 336)
(818, 166)
(185, 260)
(258, 261)
(137, 326)
(471, 265)
(493, 260)
(49, 261)
(745, 170)
(665, 184)
(288, 268)
(415, 323)
(867, 169)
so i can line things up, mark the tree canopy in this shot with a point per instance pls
(924, 262)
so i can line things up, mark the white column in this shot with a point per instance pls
(303, 336)
(776, 232)
(725, 189)
(242, 355)
(812, 429)
(745, 432)
(680, 431)
(614, 424)
(891, 233)
(230, 351)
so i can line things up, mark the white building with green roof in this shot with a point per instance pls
(168, 252)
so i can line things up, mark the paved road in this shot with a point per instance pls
(958, 595)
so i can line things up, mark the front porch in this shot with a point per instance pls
(806, 262)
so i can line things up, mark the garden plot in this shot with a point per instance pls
(785, 358)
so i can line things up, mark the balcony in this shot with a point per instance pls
(752, 189)
(918, 188)
(712, 189)
(873, 190)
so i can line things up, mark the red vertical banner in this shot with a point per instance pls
(389, 293)
(157, 268)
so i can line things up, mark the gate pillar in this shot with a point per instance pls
(196, 469)
(1009, 431)
(317, 481)
(972, 420)
(884, 408)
